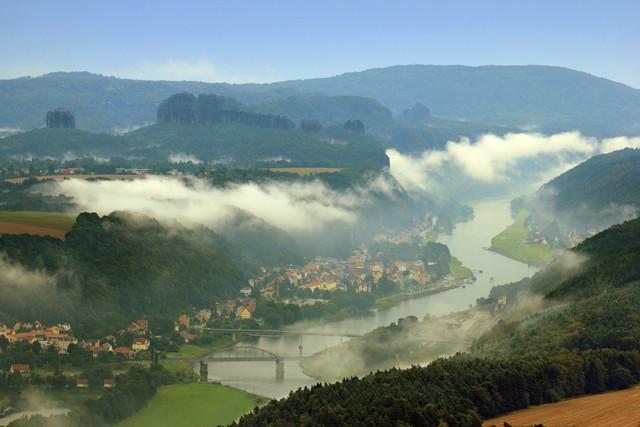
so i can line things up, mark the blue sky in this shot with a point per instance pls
(268, 40)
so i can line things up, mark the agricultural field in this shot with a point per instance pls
(194, 405)
(619, 408)
(510, 243)
(306, 171)
(52, 224)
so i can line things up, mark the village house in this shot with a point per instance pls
(109, 383)
(139, 327)
(202, 316)
(20, 368)
(187, 337)
(124, 351)
(183, 321)
(244, 313)
(82, 383)
(245, 292)
(140, 344)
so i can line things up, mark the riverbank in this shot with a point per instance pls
(459, 277)
(513, 243)
(194, 405)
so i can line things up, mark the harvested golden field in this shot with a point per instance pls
(614, 409)
(305, 171)
(39, 223)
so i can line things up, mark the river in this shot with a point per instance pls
(467, 242)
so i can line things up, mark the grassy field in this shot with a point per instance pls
(509, 243)
(194, 405)
(40, 223)
(306, 171)
(612, 409)
(459, 271)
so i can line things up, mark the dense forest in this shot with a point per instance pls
(459, 391)
(111, 269)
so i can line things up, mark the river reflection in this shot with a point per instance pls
(467, 243)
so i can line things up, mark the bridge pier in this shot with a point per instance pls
(300, 348)
(204, 372)
(279, 370)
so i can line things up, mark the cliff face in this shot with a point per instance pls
(60, 118)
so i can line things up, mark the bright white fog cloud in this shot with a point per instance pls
(291, 207)
(15, 276)
(618, 143)
(491, 158)
(183, 158)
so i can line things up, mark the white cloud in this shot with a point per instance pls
(183, 158)
(490, 159)
(297, 207)
(612, 144)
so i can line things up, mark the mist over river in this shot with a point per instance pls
(467, 242)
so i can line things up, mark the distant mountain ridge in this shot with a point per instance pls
(542, 98)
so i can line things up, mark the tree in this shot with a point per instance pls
(60, 118)
(354, 125)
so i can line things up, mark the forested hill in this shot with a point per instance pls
(602, 181)
(572, 329)
(547, 99)
(590, 296)
(113, 268)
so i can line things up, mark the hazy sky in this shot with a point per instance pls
(266, 40)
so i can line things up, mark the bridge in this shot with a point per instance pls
(282, 332)
(245, 353)
(249, 353)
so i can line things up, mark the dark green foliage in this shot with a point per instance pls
(592, 304)
(459, 391)
(112, 269)
(596, 184)
(60, 118)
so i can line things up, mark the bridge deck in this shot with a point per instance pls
(279, 332)
(248, 359)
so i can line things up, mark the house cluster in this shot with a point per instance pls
(421, 230)
(333, 275)
(139, 328)
(57, 336)
(240, 308)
